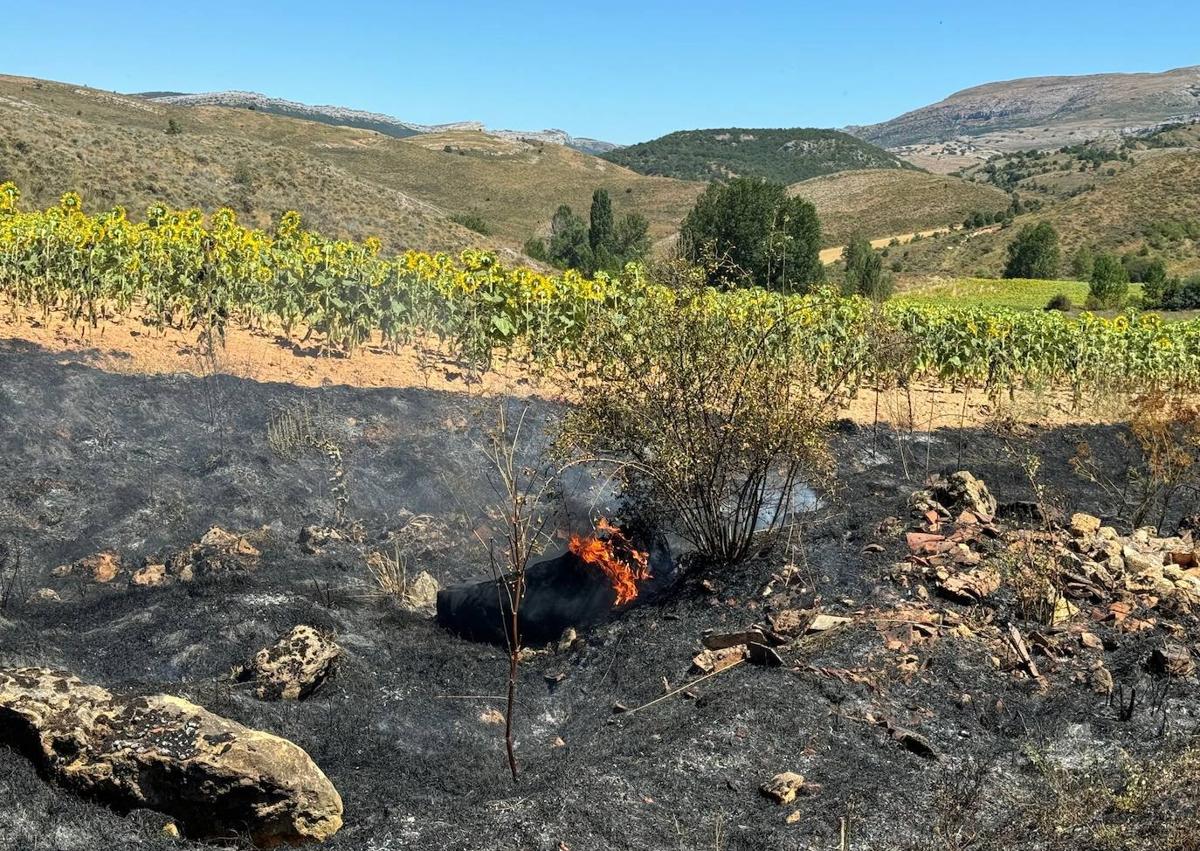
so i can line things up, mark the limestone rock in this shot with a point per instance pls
(150, 576)
(783, 788)
(710, 661)
(213, 776)
(294, 667)
(968, 586)
(1100, 679)
(1084, 525)
(102, 567)
(962, 490)
(1172, 660)
(218, 552)
(421, 593)
(45, 595)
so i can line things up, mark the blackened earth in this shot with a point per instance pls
(142, 465)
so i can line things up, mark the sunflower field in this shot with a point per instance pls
(182, 269)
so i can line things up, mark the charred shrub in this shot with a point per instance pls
(709, 417)
(1161, 467)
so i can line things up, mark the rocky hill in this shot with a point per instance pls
(1046, 111)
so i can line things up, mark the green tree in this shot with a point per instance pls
(864, 271)
(1109, 284)
(600, 230)
(1155, 284)
(1033, 253)
(631, 238)
(568, 246)
(173, 128)
(759, 235)
(1081, 263)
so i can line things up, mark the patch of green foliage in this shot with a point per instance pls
(472, 221)
(785, 156)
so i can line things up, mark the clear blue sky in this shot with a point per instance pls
(622, 71)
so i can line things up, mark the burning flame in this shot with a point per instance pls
(617, 558)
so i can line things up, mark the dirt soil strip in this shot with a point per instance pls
(125, 346)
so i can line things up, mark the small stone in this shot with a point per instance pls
(711, 661)
(824, 623)
(1091, 641)
(1064, 611)
(150, 576)
(102, 567)
(170, 830)
(491, 715)
(1084, 525)
(1142, 565)
(790, 622)
(558, 742)
(783, 788)
(794, 816)
(45, 595)
(569, 637)
(724, 640)
(295, 666)
(1100, 680)
(968, 586)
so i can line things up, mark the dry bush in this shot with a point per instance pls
(390, 566)
(1161, 464)
(1092, 810)
(709, 419)
(524, 490)
(296, 428)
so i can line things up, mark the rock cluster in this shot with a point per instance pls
(211, 775)
(1070, 575)
(217, 553)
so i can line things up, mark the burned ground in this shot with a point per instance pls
(146, 465)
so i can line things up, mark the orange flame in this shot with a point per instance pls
(617, 558)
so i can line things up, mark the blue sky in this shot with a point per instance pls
(622, 71)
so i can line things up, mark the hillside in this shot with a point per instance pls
(345, 181)
(1152, 204)
(113, 150)
(784, 156)
(1046, 111)
(884, 202)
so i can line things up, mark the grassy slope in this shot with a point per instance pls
(886, 202)
(514, 186)
(344, 181)
(782, 155)
(1119, 215)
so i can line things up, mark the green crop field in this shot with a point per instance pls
(1015, 294)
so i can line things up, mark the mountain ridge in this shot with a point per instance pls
(363, 119)
(1013, 111)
